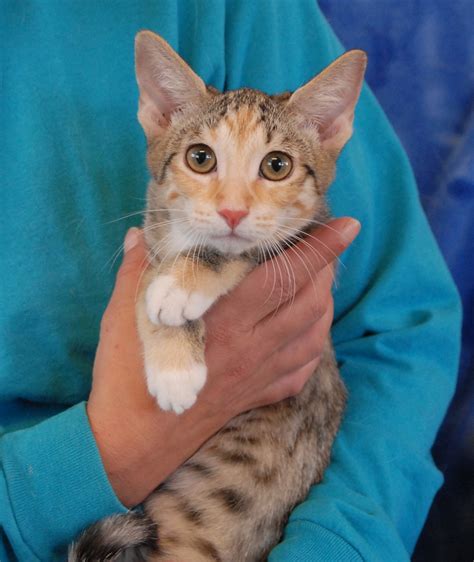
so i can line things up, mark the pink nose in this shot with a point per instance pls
(233, 218)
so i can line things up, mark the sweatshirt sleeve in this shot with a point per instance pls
(397, 316)
(52, 485)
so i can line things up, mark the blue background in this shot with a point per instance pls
(421, 68)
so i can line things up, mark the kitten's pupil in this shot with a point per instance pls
(200, 156)
(276, 163)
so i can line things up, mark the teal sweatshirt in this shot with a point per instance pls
(73, 160)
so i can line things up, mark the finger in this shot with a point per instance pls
(308, 345)
(309, 305)
(291, 384)
(133, 265)
(118, 327)
(276, 281)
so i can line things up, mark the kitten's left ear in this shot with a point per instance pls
(327, 102)
(165, 81)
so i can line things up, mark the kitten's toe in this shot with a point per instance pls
(176, 390)
(167, 303)
(196, 305)
(156, 294)
(172, 309)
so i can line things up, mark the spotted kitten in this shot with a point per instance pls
(236, 177)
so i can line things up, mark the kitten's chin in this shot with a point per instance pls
(230, 244)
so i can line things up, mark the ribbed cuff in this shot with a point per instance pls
(309, 542)
(56, 481)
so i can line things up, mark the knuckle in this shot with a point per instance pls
(317, 337)
(317, 307)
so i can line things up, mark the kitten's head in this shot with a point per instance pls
(242, 170)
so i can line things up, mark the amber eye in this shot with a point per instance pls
(201, 158)
(276, 166)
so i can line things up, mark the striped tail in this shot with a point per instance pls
(132, 537)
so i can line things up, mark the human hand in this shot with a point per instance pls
(263, 341)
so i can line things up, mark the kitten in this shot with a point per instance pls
(236, 176)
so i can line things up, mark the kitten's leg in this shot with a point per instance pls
(168, 317)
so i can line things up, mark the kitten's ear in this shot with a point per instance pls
(165, 81)
(327, 102)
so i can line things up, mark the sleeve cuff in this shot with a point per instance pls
(306, 541)
(56, 481)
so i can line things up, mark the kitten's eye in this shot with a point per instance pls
(201, 158)
(276, 166)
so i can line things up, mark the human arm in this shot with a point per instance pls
(76, 467)
(396, 335)
(52, 478)
(252, 361)
(397, 318)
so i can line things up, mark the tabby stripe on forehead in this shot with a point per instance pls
(232, 500)
(310, 171)
(166, 163)
(263, 111)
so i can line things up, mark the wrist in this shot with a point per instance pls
(140, 451)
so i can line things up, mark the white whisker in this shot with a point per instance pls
(142, 212)
(290, 231)
(289, 269)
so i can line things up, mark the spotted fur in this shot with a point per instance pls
(231, 500)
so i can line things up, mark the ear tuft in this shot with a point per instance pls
(165, 81)
(327, 102)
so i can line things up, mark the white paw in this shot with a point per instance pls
(169, 304)
(176, 390)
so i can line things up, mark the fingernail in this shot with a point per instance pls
(350, 230)
(131, 239)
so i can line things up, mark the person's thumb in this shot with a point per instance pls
(133, 265)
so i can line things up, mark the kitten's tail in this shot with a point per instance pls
(132, 537)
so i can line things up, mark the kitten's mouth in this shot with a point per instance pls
(231, 243)
(232, 236)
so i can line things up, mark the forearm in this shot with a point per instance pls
(53, 485)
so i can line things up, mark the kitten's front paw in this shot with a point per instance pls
(169, 304)
(176, 390)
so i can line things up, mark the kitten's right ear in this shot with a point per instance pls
(327, 102)
(165, 81)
